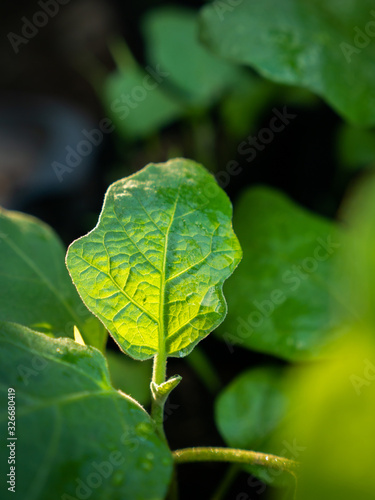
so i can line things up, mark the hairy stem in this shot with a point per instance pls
(234, 456)
(157, 406)
(159, 368)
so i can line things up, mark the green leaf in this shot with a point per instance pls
(248, 412)
(336, 399)
(251, 407)
(77, 437)
(317, 45)
(36, 290)
(280, 300)
(152, 270)
(171, 35)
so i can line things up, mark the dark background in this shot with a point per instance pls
(45, 101)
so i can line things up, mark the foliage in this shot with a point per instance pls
(303, 43)
(151, 273)
(289, 254)
(152, 269)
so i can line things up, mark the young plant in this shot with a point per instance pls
(152, 271)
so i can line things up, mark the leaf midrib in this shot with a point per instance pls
(161, 329)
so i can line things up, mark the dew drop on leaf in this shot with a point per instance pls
(118, 478)
(147, 465)
(144, 429)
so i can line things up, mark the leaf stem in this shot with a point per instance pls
(234, 456)
(157, 405)
(159, 368)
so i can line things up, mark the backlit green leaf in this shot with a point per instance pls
(152, 270)
(326, 47)
(77, 437)
(280, 300)
(36, 290)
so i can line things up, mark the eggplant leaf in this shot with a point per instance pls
(35, 287)
(77, 437)
(152, 269)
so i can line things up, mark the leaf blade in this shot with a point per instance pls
(158, 256)
(71, 424)
(302, 43)
(279, 302)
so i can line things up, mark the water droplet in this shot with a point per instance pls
(166, 461)
(147, 465)
(266, 458)
(150, 456)
(118, 478)
(58, 350)
(143, 429)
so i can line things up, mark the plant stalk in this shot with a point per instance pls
(234, 456)
(157, 406)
